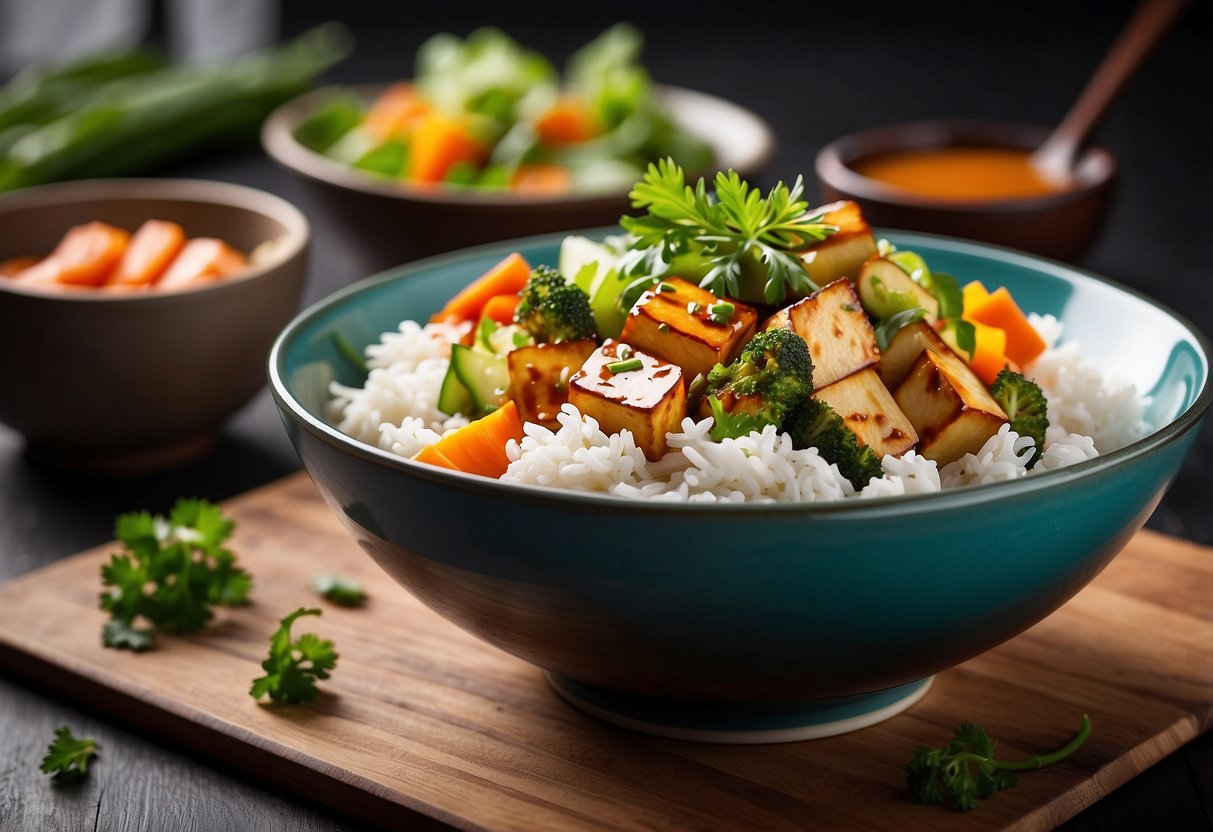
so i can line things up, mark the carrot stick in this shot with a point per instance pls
(153, 247)
(84, 257)
(440, 142)
(479, 448)
(506, 278)
(542, 179)
(432, 456)
(567, 122)
(501, 308)
(201, 259)
(396, 112)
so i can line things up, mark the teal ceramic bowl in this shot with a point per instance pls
(747, 622)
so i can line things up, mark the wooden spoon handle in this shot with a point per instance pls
(1144, 31)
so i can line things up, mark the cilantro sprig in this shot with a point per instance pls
(293, 666)
(172, 572)
(68, 756)
(723, 228)
(965, 770)
(339, 590)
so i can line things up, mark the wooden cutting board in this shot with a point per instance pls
(421, 722)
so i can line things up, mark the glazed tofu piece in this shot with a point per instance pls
(904, 349)
(843, 252)
(671, 321)
(539, 377)
(832, 322)
(649, 400)
(867, 407)
(948, 405)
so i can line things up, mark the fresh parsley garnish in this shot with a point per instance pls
(965, 770)
(171, 573)
(340, 590)
(723, 229)
(293, 666)
(68, 756)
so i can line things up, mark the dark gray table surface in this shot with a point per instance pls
(814, 73)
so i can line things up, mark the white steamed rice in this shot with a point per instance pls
(397, 411)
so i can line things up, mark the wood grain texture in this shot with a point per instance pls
(423, 722)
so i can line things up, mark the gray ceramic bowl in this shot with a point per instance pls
(392, 222)
(133, 382)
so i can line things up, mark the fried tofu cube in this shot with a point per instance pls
(904, 348)
(868, 409)
(832, 322)
(650, 400)
(948, 405)
(671, 321)
(843, 252)
(539, 377)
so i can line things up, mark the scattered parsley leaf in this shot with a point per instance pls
(294, 666)
(724, 228)
(172, 572)
(966, 771)
(340, 590)
(68, 757)
(965, 334)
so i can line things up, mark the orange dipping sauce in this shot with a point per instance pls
(982, 174)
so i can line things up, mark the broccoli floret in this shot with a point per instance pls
(814, 424)
(772, 375)
(1025, 405)
(554, 310)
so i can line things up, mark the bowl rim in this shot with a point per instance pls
(832, 167)
(224, 194)
(278, 140)
(895, 505)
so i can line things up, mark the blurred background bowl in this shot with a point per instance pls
(129, 383)
(733, 621)
(1060, 225)
(393, 221)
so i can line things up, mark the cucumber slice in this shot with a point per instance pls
(454, 397)
(608, 319)
(486, 378)
(578, 252)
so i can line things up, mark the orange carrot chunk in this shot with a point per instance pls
(439, 143)
(542, 179)
(432, 456)
(500, 308)
(506, 278)
(396, 112)
(153, 247)
(15, 265)
(479, 448)
(569, 121)
(1000, 310)
(84, 257)
(201, 259)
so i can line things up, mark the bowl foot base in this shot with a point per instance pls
(740, 723)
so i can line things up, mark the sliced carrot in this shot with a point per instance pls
(479, 447)
(201, 259)
(153, 247)
(501, 308)
(542, 179)
(974, 293)
(15, 265)
(569, 121)
(439, 142)
(506, 278)
(1000, 310)
(396, 112)
(432, 456)
(84, 257)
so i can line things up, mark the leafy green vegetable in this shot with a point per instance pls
(606, 72)
(965, 334)
(723, 234)
(339, 114)
(68, 757)
(946, 290)
(172, 572)
(1025, 405)
(388, 159)
(893, 324)
(965, 770)
(293, 666)
(340, 590)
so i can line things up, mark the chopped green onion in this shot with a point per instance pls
(617, 367)
(663, 327)
(666, 287)
(694, 308)
(717, 319)
(724, 309)
(624, 352)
